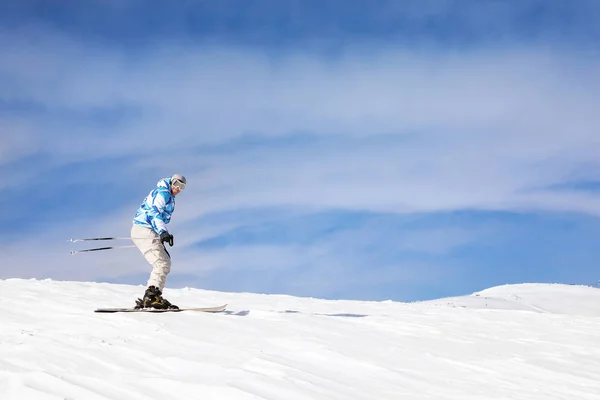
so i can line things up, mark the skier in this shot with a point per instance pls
(149, 233)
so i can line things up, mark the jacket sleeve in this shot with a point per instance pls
(157, 213)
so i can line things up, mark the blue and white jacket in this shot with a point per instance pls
(155, 212)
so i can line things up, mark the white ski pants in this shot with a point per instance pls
(155, 253)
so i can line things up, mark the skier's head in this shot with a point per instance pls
(178, 183)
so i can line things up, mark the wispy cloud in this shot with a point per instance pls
(464, 120)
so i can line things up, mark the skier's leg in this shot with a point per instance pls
(155, 253)
(160, 267)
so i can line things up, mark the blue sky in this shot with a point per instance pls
(358, 150)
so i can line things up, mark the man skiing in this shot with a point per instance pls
(149, 233)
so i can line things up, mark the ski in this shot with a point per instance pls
(154, 310)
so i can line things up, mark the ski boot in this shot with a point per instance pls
(153, 299)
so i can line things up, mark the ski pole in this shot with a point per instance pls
(102, 238)
(101, 248)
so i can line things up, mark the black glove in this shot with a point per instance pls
(166, 237)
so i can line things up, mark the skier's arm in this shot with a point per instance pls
(157, 213)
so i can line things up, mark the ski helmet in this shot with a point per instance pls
(178, 181)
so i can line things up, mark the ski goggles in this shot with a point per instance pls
(178, 184)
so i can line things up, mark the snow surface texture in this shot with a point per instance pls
(528, 341)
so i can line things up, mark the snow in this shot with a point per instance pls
(530, 341)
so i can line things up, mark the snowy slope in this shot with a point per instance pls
(509, 342)
(543, 298)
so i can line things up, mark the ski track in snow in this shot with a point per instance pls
(531, 341)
